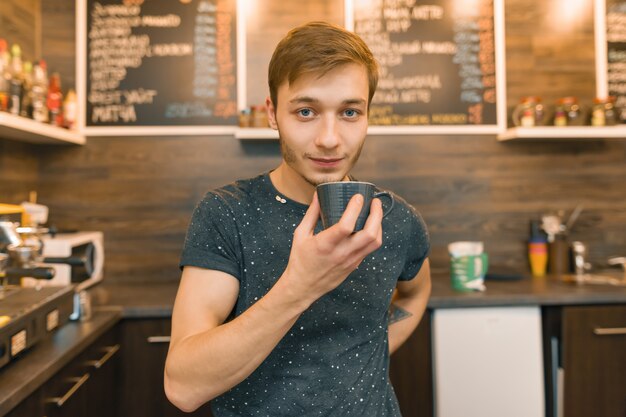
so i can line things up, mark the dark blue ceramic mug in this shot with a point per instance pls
(334, 198)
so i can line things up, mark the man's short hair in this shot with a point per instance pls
(317, 48)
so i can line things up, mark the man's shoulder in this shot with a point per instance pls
(238, 192)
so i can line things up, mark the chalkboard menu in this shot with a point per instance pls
(616, 53)
(160, 63)
(437, 59)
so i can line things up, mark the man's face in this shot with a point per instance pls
(322, 123)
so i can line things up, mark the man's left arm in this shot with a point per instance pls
(407, 306)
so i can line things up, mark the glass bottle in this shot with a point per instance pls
(40, 91)
(568, 112)
(529, 112)
(69, 110)
(26, 108)
(604, 112)
(17, 81)
(560, 116)
(54, 100)
(5, 75)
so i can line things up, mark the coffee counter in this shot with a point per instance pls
(22, 377)
(146, 300)
(156, 300)
(548, 291)
(114, 302)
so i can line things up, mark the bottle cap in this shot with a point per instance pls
(530, 99)
(568, 100)
(536, 233)
(16, 51)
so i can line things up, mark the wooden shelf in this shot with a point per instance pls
(255, 133)
(267, 133)
(27, 130)
(152, 131)
(565, 132)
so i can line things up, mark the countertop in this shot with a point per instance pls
(544, 291)
(113, 302)
(156, 300)
(22, 377)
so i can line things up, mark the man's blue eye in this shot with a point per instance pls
(305, 112)
(350, 113)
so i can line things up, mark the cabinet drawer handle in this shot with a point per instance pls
(159, 339)
(609, 331)
(59, 401)
(110, 351)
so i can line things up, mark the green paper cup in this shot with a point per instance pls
(468, 272)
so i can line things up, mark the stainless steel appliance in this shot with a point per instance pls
(77, 258)
(28, 315)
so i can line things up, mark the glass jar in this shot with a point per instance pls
(244, 118)
(258, 117)
(604, 112)
(568, 112)
(529, 112)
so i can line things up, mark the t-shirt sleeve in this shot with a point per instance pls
(418, 245)
(212, 237)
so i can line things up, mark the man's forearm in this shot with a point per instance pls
(203, 366)
(405, 314)
(403, 325)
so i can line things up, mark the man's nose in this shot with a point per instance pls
(328, 136)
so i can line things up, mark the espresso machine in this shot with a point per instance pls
(27, 314)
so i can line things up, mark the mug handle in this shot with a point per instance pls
(388, 195)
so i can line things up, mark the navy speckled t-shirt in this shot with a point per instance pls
(334, 360)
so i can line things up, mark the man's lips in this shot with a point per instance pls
(327, 162)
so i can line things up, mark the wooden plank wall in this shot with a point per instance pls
(266, 24)
(141, 191)
(18, 171)
(20, 22)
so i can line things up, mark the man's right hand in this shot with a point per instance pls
(319, 263)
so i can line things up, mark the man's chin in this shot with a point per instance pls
(317, 180)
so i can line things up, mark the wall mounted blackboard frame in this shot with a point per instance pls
(154, 129)
(602, 47)
(413, 129)
(457, 129)
(601, 56)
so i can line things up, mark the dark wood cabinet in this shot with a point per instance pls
(146, 342)
(411, 372)
(594, 361)
(87, 386)
(121, 373)
(30, 407)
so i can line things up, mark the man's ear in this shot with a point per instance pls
(271, 113)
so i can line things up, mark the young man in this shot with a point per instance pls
(308, 331)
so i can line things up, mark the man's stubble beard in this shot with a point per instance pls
(291, 159)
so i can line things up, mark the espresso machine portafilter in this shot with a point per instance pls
(4, 261)
(23, 257)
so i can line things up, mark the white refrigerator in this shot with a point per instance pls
(488, 362)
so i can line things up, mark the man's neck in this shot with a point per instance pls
(291, 184)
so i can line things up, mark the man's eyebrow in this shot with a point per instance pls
(303, 99)
(355, 101)
(307, 99)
